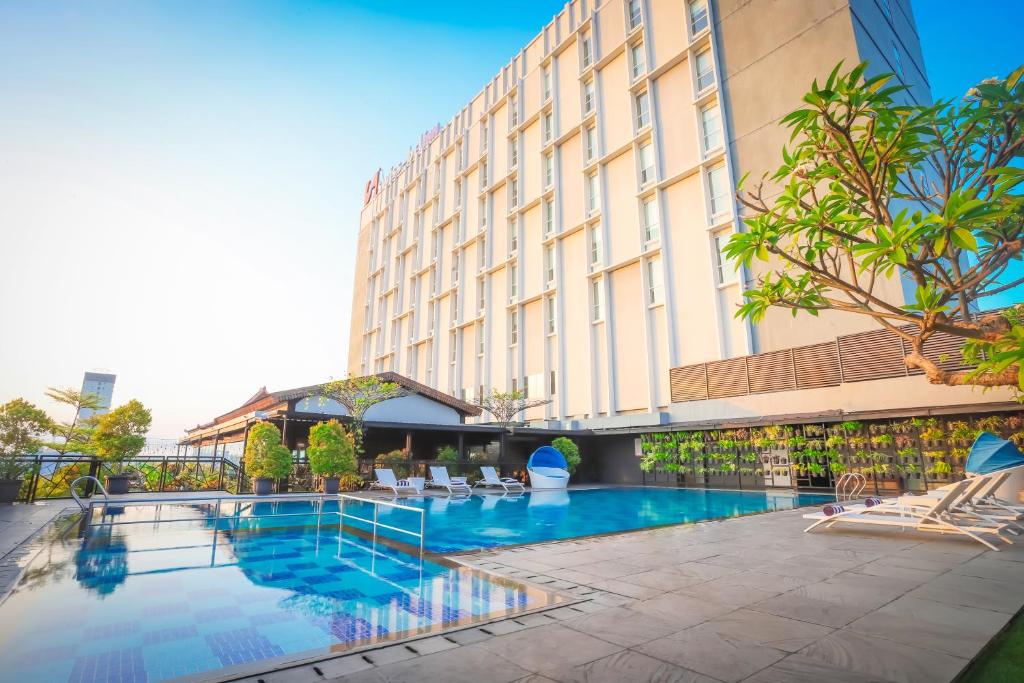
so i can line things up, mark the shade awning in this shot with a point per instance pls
(991, 454)
(547, 456)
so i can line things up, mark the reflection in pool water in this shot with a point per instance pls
(154, 593)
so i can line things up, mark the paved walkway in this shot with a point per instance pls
(748, 599)
(18, 523)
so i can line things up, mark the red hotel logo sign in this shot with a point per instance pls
(372, 185)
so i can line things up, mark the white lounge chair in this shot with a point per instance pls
(456, 485)
(547, 469)
(491, 478)
(386, 480)
(925, 514)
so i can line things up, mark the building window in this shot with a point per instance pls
(483, 175)
(513, 328)
(636, 58)
(646, 163)
(586, 51)
(649, 213)
(654, 282)
(453, 349)
(591, 143)
(454, 307)
(513, 193)
(480, 339)
(705, 71)
(549, 217)
(551, 376)
(724, 268)
(513, 237)
(633, 9)
(698, 16)
(593, 196)
(595, 244)
(718, 191)
(711, 127)
(481, 288)
(483, 136)
(513, 282)
(551, 315)
(546, 84)
(455, 267)
(897, 63)
(458, 192)
(456, 230)
(589, 98)
(434, 246)
(481, 253)
(513, 154)
(549, 170)
(549, 127)
(483, 213)
(643, 114)
(597, 313)
(549, 265)
(513, 112)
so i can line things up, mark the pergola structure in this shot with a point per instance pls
(420, 422)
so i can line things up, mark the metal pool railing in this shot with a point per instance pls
(375, 523)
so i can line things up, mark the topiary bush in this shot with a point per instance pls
(449, 455)
(331, 451)
(265, 456)
(396, 460)
(569, 450)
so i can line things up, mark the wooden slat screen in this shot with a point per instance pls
(687, 383)
(851, 358)
(727, 378)
(772, 371)
(817, 366)
(871, 355)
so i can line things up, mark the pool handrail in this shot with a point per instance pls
(376, 508)
(74, 494)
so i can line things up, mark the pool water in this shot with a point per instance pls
(493, 520)
(153, 593)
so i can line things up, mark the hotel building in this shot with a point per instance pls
(562, 234)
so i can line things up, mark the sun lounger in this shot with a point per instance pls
(491, 478)
(386, 480)
(454, 485)
(923, 514)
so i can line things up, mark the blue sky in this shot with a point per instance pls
(180, 181)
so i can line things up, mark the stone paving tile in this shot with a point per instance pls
(682, 610)
(623, 626)
(878, 568)
(800, 669)
(608, 569)
(703, 571)
(625, 666)
(343, 666)
(809, 609)
(886, 659)
(664, 579)
(470, 664)
(389, 655)
(987, 568)
(769, 630)
(627, 589)
(953, 589)
(428, 646)
(704, 650)
(535, 648)
(727, 592)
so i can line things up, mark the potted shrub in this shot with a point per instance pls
(119, 436)
(21, 425)
(331, 453)
(266, 458)
(569, 450)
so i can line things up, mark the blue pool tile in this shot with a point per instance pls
(169, 634)
(319, 578)
(241, 646)
(347, 628)
(116, 666)
(346, 594)
(298, 566)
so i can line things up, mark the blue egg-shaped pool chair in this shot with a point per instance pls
(548, 469)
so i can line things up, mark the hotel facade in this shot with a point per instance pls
(562, 234)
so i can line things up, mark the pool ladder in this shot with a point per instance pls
(74, 494)
(850, 486)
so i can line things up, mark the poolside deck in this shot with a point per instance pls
(746, 599)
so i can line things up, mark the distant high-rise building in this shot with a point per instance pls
(101, 384)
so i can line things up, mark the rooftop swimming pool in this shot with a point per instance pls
(153, 593)
(150, 593)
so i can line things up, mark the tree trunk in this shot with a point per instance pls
(936, 375)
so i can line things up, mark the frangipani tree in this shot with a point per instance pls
(872, 189)
(506, 406)
(359, 394)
